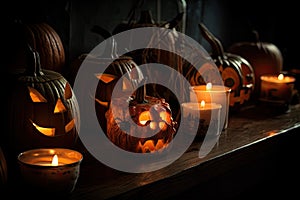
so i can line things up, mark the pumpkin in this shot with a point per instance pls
(44, 39)
(237, 73)
(264, 57)
(155, 55)
(3, 169)
(116, 67)
(148, 114)
(43, 110)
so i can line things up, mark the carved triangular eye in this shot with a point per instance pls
(59, 107)
(106, 78)
(68, 91)
(35, 95)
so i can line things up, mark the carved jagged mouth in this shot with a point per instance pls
(150, 146)
(51, 131)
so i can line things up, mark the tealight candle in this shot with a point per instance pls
(213, 94)
(203, 114)
(277, 88)
(50, 170)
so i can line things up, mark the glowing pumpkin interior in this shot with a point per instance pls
(37, 97)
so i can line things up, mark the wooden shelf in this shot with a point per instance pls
(257, 143)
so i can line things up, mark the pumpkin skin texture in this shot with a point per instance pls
(115, 68)
(264, 57)
(43, 110)
(3, 169)
(148, 113)
(44, 39)
(237, 73)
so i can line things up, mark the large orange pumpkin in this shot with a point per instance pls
(264, 57)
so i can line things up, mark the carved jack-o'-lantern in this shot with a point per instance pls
(43, 109)
(237, 73)
(146, 114)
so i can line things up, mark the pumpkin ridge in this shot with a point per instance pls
(56, 47)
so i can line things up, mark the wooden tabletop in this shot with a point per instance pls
(251, 127)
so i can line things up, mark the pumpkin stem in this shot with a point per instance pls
(256, 37)
(217, 48)
(141, 94)
(112, 49)
(174, 22)
(33, 62)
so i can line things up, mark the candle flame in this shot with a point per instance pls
(208, 86)
(55, 160)
(202, 104)
(280, 77)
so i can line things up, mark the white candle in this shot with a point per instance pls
(213, 94)
(277, 88)
(202, 114)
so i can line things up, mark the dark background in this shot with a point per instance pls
(230, 21)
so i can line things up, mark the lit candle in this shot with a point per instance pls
(213, 94)
(204, 114)
(50, 170)
(277, 89)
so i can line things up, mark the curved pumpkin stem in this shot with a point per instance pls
(105, 34)
(141, 94)
(33, 67)
(256, 37)
(174, 22)
(217, 48)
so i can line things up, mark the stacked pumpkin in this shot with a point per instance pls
(43, 38)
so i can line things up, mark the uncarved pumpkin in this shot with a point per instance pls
(264, 57)
(44, 39)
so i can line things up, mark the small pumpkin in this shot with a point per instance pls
(44, 39)
(148, 114)
(237, 73)
(43, 110)
(264, 57)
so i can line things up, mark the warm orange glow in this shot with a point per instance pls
(106, 78)
(165, 116)
(280, 77)
(208, 86)
(126, 85)
(162, 125)
(35, 95)
(271, 133)
(144, 117)
(149, 147)
(70, 125)
(103, 103)
(202, 104)
(160, 144)
(59, 107)
(153, 125)
(54, 160)
(46, 131)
